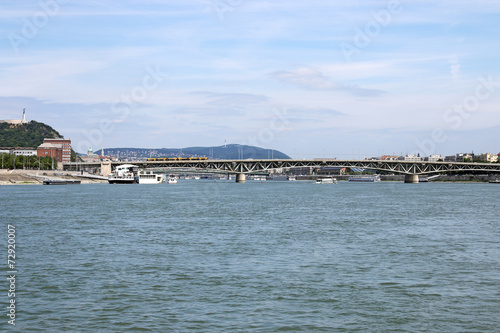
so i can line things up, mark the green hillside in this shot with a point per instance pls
(219, 152)
(25, 135)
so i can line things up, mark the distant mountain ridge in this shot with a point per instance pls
(230, 152)
(25, 135)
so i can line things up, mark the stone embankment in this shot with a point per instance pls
(36, 177)
(441, 178)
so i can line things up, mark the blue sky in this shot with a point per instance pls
(310, 78)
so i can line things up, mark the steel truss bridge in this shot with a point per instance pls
(242, 167)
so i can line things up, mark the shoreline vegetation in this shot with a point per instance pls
(32, 162)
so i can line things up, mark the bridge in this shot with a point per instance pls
(411, 170)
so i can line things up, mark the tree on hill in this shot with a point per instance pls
(25, 135)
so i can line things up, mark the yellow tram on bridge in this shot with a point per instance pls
(160, 159)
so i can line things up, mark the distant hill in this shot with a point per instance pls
(25, 135)
(229, 152)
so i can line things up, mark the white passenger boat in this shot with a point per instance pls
(124, 174)
(172, 179)
(328, 180)
(150, 178)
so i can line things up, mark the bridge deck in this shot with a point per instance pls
(250, 166)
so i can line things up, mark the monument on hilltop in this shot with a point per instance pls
(16, 121)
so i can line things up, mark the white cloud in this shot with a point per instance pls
(455, 68)
(309, 78)
(231, 99)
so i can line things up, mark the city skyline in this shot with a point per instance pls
(309, 79)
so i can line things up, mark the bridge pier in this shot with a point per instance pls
(105, 168)
(241, 178)
(411, 179)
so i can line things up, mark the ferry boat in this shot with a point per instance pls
(150, 178)
(496, 181)
(124, 174)
(172, 179)
(365, 179)
(328, 180)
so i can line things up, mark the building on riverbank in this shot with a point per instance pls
(487, 157)
(18, 151)
(58, 148)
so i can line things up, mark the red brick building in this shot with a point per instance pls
(59, 148)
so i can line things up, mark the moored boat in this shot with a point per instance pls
(172, 179)
(124, 174)
(280, 177)
(326, 180)
(150, 178)
(365, 179)
(61, 182)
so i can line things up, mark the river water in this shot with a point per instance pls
(204, 256)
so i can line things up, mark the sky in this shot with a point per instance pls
(317, 78)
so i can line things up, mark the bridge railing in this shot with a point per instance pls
(251, 165)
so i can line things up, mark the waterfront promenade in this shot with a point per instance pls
(36, 177)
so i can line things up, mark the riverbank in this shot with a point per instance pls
(36, 177)
(401, 178)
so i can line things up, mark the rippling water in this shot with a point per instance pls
(274, 256)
